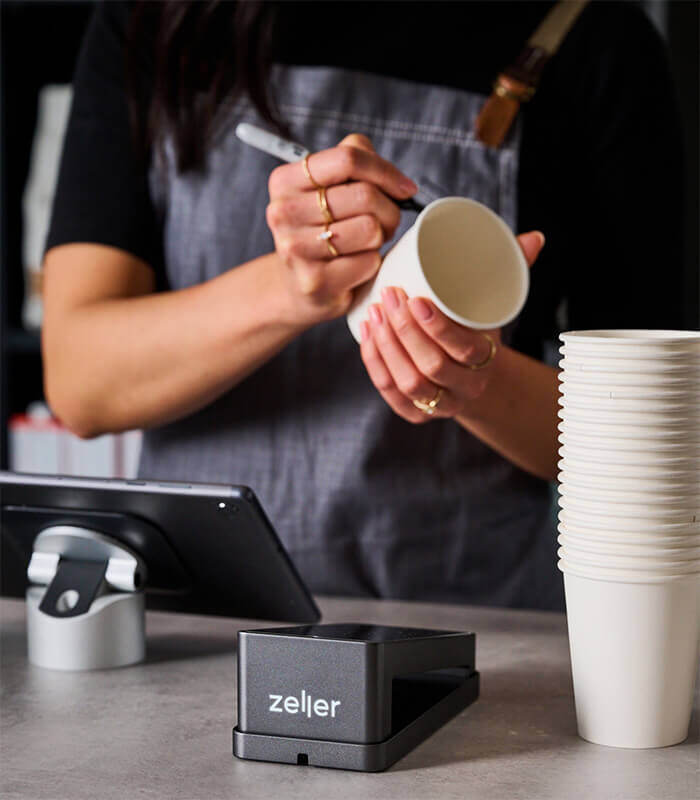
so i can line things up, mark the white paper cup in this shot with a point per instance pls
(654, 565)
(680, 459)
(605, 363)
(653, 421)
(596, 546)
(623, 539)
(613, 495)
(573, 518)
(575, 372)
(598, 441)
(637, 433)
(665, 473)
(659, 485)
(660, 406)
(663, 536)
(679, 392)
(634, 648)
(649, 511)
(460, 255)
(630, 342)
(650, 396)
(622, 575)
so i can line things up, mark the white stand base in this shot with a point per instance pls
(111, 634)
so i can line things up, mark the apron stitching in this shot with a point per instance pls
(408, 135)
(505, 167)
(423, 126)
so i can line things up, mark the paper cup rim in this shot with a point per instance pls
(672, 554)
(635, 405)
(659, 499)
(648, 550)
(619, 362)
(669, 474)
(626, 391)
(612, 430)
(631, 510)
(607, 522)
(513, 243)
(608, 537)
(580, 453)
(684, 568)
(614, 576)
(631, 336)
(691, 377)
(603, 416)
(614, 442)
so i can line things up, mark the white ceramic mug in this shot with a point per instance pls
(460, 255)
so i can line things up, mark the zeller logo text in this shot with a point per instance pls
(304, 705)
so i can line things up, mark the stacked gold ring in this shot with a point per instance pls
(327, 234)
(323, 205)
(305, 165)
(489, 358)
(328, 218)
(429, 406)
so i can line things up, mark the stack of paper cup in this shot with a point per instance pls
(629, 527)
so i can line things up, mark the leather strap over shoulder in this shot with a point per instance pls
(518, 83)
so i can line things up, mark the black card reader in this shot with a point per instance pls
(350, 696)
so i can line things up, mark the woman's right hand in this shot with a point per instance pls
(359, 187)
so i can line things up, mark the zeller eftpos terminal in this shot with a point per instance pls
(348, 696)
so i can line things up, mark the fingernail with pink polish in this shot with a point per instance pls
(391, 299)
(375, 313)
(408, 186)
(421, 309)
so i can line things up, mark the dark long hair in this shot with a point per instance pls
(196, 53)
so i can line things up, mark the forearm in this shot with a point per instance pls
(517, 414)
(142, 361)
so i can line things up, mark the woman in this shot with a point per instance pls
(241, 369)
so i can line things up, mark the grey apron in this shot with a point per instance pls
(365, 502)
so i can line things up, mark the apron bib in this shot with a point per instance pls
(365, 502)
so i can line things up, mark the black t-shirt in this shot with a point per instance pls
(600, 165)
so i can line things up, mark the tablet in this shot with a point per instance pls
(208, 548)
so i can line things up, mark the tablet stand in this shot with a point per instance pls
(348, 696)
(85, 603)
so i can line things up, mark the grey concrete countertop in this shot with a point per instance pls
(162, 729)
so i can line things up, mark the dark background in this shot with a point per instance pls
(40, 41)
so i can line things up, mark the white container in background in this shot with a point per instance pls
(53, 107)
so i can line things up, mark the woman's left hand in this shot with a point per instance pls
(413, 352)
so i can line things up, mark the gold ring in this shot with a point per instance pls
(428, 407)
(305, 164)
(323, 205)
(489, 358)
(326, 237)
